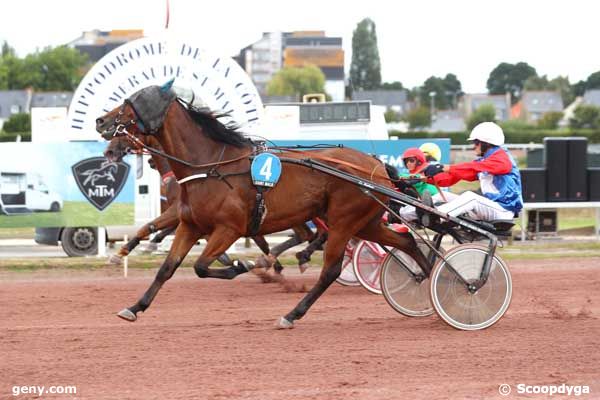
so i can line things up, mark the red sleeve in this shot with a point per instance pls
(496, 164)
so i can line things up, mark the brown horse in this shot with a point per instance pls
(167, 222)
(219, 197)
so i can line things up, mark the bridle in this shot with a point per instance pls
(121, 130)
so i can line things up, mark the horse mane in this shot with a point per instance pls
(225, 133)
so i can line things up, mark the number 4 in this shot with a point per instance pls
(266, 169)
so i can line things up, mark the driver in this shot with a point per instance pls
(498, 176)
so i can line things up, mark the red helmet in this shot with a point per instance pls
(416, 153)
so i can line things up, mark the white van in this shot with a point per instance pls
(26, 192)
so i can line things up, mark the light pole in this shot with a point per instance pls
(432, 107)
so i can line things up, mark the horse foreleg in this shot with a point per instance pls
(332, 267)
(168, 219)
(219, 241)
(185, 238)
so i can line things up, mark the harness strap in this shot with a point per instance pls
(192, 177)
(373, 172)
(258, 213)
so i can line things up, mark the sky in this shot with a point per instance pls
(416, 39)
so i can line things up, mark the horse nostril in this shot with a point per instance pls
(99, 121)
(108, 153)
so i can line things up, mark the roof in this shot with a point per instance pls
(448, 121)
(14, 101)
(592, 97)
(51, 99)
(386, 98)
(499, 101)
(542, 101)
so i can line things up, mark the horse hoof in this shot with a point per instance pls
(303, 267)
(115, 259)
(127, 315)
(283, 323)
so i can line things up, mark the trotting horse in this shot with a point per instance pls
(218, 197)
(167, 222)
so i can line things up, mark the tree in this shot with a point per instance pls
(17, 123)
(59, 69)
(585, 116)
(392, 116)
(593, 81)
(297, 81)
(392, 86)
(485, 113)
(578, 88)
(365, 69)
(418, 118)
(510, 78)
(446, 90)
(550, 120)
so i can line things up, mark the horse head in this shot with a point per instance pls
(129, 126)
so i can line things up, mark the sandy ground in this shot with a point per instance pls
(211, 339)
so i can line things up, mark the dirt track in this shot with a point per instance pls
(209, 339)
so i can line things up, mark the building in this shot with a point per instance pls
(395, 100)
(448, 121)
(501, 102)
(534, 104)
(276, 50)
(592, 97)
(14, 102)
(96, 44)
(51, 99)
(262, 59)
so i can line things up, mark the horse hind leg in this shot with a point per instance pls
(303, 256)
(375, 231)
(332, 267)
(157, 239)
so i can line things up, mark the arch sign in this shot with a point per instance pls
(218, 80)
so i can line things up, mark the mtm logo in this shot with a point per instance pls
(100, 180)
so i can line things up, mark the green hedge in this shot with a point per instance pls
(11, 137)
(529, 136)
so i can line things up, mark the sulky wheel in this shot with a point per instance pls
(347, 277)
(367, 259)
(461, 308)
(404, 285)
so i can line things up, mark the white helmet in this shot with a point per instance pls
(488, 132)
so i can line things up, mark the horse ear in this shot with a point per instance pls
(165, 88)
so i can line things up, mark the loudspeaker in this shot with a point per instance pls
(577, 186)
(594, 183)
(556, 161)
(533, 183)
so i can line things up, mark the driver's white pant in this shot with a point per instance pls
(470, 203)
(476, 207)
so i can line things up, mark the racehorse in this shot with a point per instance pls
(218, 197)
(120, 146)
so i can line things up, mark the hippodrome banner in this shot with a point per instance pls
(64, 184)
